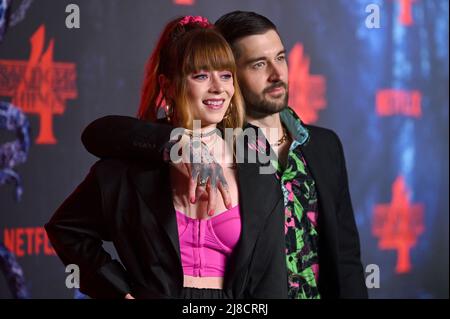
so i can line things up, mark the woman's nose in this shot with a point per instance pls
(216, 84)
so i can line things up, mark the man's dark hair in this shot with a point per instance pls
(238, 24)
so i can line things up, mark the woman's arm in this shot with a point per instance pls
(76, 231)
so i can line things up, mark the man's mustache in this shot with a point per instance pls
(276, 85)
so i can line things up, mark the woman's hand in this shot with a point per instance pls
(129, 296)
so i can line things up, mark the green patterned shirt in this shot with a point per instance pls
(301, 210)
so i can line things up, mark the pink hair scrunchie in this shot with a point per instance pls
(202, 21)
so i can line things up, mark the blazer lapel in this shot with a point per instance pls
(258, 196)
(327, 220)
(155, 190)
(256, 202)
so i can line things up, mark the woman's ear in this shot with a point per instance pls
(165, 85)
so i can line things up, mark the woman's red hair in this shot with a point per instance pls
(183, 49)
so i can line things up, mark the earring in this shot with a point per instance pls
(169, 112)
(228, 112)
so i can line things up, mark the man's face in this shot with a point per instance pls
(262, 73)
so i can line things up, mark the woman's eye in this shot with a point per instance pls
(200, 76)
(226, 76)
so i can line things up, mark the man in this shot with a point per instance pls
(322, 242)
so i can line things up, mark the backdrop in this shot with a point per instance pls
(376, 72)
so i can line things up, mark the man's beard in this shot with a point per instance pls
(257, 106)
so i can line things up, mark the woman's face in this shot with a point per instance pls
(209, 94)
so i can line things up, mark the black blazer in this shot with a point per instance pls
(130, 203)
(340, 269)
(341, 273)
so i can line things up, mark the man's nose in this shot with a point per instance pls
(276, 73)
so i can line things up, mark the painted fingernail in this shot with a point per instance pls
(229, 205)
(192, 200)
(211, 212)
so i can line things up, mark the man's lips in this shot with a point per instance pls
(276, 89)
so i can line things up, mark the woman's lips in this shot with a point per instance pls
(214, 104)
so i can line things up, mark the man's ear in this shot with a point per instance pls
(166, 86)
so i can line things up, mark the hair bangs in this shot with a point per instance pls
(208, 51)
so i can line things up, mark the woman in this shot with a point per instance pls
(168, 247)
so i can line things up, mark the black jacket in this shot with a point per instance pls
(130, 203)
(341, 273)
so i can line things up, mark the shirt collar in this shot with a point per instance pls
(295, 126)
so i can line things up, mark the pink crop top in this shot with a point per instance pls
(205, 244)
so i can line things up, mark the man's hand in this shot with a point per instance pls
(212, 175)
(206, 175)
(129, 296)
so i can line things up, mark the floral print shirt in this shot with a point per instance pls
(301, 211)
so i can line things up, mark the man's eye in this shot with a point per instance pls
(281, 58)
(258, 65)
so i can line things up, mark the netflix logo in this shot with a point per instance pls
(390, 102)
(27, 241)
